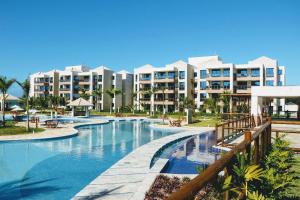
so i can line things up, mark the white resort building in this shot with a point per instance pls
(161, 88)
(75, 80)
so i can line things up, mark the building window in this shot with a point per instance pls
(100, 78)
(195, 74)
(145, 77)
(195, 85)
(270, 72)
(269, 83)
(181, 86)
(202, 96)
(242, 73)
(226, 72)
(216, 73)
(182, 75)
(171, 75)
(215, 85)
(226, 85)
(203, 74)
(255, 72)
(202, 85)
(181, 97)
(279, 83)
(279, 71)
(255, 83)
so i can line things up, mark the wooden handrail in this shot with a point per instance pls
(189, 190)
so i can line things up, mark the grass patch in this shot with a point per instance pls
(205, 121)
(11, 129)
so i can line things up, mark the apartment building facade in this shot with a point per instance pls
(72, 82)
(202, 78)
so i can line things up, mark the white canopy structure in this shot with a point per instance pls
(17, 109)
(80, 103)
(260, 93)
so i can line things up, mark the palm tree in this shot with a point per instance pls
(186, 103)
(226, 100)
(5, 84)
(98, 94)
(112, 93)
(151, 92)
(133, 96)
(84, 94)
(210, 104)
(26, 88)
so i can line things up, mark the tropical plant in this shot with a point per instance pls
(133, 96)
(26, 89)
(112, 93)
(151, 92)
(5, 84)
(226, 100)
(83, 94)
(97, 94)
(211, 105)
(185, 103)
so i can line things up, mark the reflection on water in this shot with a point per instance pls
(189, 154)
(58, 169)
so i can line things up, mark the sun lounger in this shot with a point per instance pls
(51, 124)
(175, 123)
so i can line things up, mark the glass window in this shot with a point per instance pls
(226, 72)
(203, 74)
(242, 73)
(145, 77)
(195, 74)
(202, 96)
(255, 72)
(255, 83)
(216, 73)
(195, 85)
(171, 75)
(202, 85)
(216, 85)
(270, 72)
(279, 83)
(100, 78)
(181, 86)
(270, 83)
(226, 84)
(181, 74)
(279, 71)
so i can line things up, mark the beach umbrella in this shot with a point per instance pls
(14, 106)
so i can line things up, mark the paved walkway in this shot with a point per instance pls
(63, 130)
(125, 179)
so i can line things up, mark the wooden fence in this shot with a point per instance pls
(261, 137)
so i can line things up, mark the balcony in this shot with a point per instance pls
(211, 77)
(145, 100)
(166, 101)
(243, 89)
(65, 89)
(64, 80)
(248, 77)
(168, 89)
(217, 89)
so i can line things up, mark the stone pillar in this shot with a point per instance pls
(189, 116)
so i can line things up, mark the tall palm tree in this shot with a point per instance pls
(26, 88)
(133, 96)
(210, 104)
(186, 103)
(97, 93)
(112, 93)
(5, 84)
(84, 94)
(151, 92)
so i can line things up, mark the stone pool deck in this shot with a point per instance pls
(62, 131)
(130, 177)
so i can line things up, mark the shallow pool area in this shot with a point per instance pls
(189, 155)
(58, 169)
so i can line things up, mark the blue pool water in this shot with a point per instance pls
(187, 155)
(58, 169)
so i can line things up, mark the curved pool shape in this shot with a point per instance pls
(189, 155)
(58, 169)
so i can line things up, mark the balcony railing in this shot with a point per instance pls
(64, 89)
(65, 80)
(145, 78)
(242, 87)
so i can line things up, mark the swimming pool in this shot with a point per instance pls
(58, 169)
(189, 155)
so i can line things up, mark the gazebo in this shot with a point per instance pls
(80, 103)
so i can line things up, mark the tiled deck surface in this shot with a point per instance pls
(126, 177)
(63, 130)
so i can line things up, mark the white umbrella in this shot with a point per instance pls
(14, 106)
(17, 109)
(33, 111)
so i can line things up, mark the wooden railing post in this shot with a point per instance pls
(216, 134)
(223, 134)
(247, 135)
(256, 150)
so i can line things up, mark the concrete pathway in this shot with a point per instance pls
(125, 179)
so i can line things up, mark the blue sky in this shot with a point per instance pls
(42, 35)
